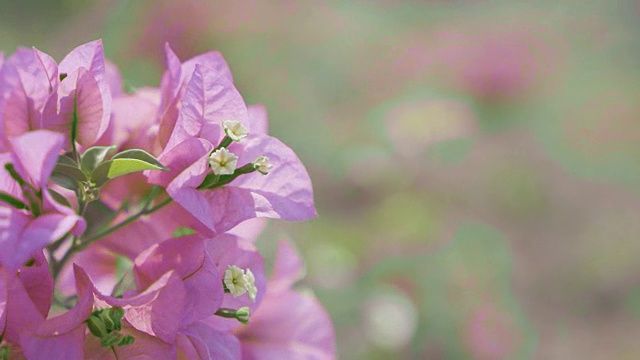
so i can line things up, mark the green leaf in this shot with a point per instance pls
(121, 167)
(138, 154)
(70, 171)
(125, 162)
(93, 156)
(13, 201)
(63, 159)
(64, 181)
(59, 198)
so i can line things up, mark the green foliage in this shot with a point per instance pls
(94, 156)
(126, 162)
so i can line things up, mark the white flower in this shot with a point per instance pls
(223, 162)
(234, 129)
(250, 285)
(239, 282)
(262, 164)
(234, 280)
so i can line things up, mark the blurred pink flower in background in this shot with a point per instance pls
(489, 333)
(183, 24)
(494, 62)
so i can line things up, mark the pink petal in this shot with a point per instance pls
(68, 346)
(258, 120)
(227, 250)
(286, 192)
(209, 99)
(249, 230)
(187, 257)
(35, 155)
(114, 79)
(289, 326)
(3, 296)
(24, 90)
(186, 160)
(38, 283)
(12, 223)
(96, 261)
(157, 310)
(93, 89)
(21, 311)
(287, 269)
(18, 115)
(201, 342)
(50, 68)
(7, 184)
(145, 347)
(63, 335)
(176, 79)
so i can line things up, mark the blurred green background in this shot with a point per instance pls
(476, 163)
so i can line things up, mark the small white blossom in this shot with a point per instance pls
(234, 280)
(262, 164)
(250, 285)
(234, 129)
(240, 281)
(223, 162)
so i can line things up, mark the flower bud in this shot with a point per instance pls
(262, 164)
(111, 339)
(96, 326)
(127, 340)
(234, 129)
(243, 314)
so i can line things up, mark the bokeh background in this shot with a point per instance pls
(476, 163)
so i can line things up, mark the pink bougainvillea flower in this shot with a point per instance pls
(288, 324)
(187, 256)
(63, 335)
(228, 250)
(25, 297)
(24, 89)
(175, 80)
(202, 342)
(285, 193)
(84, 90)
(178, 285)
(36, 93)
(23, 232)
(156, 310)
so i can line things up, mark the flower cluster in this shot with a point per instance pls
(128, 218)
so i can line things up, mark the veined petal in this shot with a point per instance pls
(93, 91)
(289, 326)
(209, 99)
(62, 335)
(187, 160)
(286, 192)
(226, 250)
(157, 310)
(287, 269)
(35, 155)
(202, 342)
(188, 258)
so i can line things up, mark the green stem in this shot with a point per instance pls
(79, 244)
(144, 211)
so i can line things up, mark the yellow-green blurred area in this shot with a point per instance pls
(476, 163)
